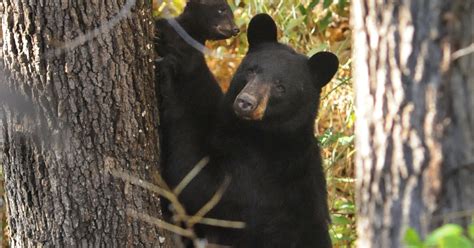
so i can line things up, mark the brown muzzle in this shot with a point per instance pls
(252, 101)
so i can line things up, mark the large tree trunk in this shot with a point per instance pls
(415, 127)
(74, 106)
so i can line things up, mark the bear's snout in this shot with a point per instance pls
(228, 30)
(245, 104)
(252, 101)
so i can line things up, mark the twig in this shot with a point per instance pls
(103, 28)
(180, 214)
(160, 223)
(222, 223)
(462, 52)
(151, 187)
(453, 171)
(344, 81)
(217, 246)
(191, 175)
(453, 215)
(211, 203)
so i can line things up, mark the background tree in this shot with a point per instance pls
(414, 83)
(78, 98)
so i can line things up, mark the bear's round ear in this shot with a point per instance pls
(323, 65)
(262, 28)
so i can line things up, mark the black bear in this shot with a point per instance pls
(189, 92)
(264, 142)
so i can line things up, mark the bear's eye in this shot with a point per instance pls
(280, 88)
(221, 11)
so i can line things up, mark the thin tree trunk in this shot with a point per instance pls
(74, 106)
(415, 127)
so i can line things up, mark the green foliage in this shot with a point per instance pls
(447, 236)
(470, 230)
(342, 228)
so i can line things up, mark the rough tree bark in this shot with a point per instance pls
(415, 127)
(75, 105)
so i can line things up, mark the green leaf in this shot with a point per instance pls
(346, 140)
(327, 3)
(340, 220)
(324, 23)
(412, 239)
(470, 231)
(455, 242)
(342, 4)
(347, 207)
(302, 9)
(312, 4)
(442, 232)
(293, 23)
(329, 137)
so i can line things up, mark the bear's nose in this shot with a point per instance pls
(235, 31)
(245, 103)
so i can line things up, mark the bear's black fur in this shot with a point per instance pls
(189, 91)
(264, 141)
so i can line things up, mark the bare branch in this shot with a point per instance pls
(222, 223)
(151, 187)
(447, 217)
(180, 214)
(211, 203)
(463, 52)
(191, 175)
(103, 28)
(160, 223)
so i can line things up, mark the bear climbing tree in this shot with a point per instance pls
(189, 92)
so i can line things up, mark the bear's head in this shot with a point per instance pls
(274, 84)
(214, 19)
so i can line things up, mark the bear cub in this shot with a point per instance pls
(189, 92)
(264, 142)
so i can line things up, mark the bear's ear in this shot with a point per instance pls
(323, 65)
(262, 28)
